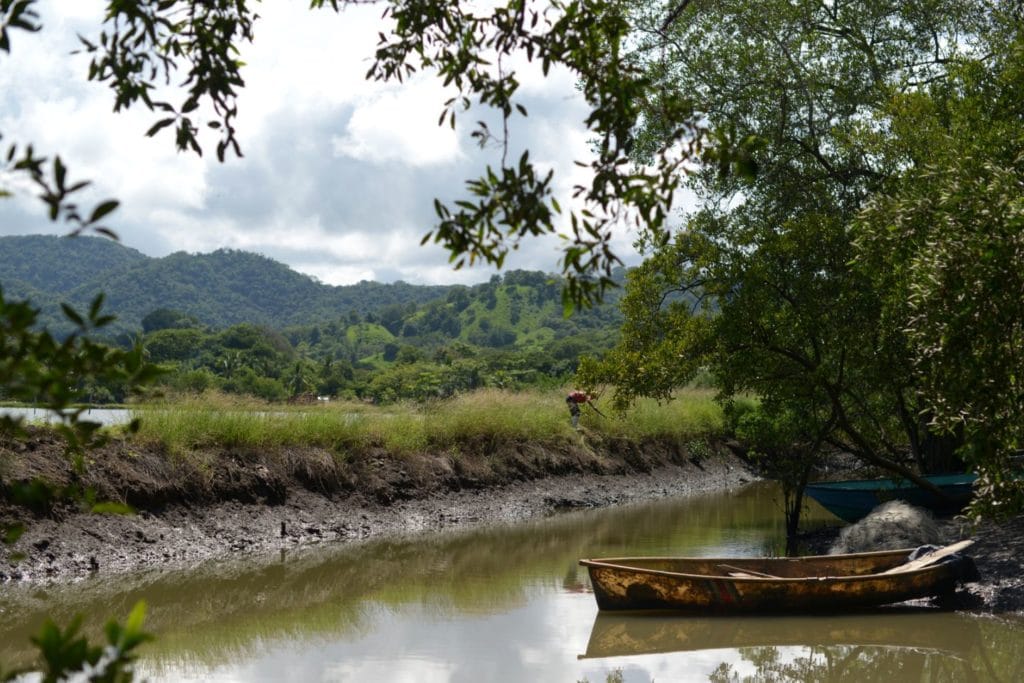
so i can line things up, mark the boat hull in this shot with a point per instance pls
(854, 499)
(795, 585)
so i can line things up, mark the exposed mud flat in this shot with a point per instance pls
(242, 503)
(237, 502)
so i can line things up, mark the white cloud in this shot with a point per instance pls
(302, 60)
(400, 124)
(395, 669)
(339, 173)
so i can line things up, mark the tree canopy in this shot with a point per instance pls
(813, 285)
(945, 243)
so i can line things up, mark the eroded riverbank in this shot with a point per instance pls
(244, 502)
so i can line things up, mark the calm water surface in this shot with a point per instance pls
(105, 416)
(510, 604)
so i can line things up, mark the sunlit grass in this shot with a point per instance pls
(692, 414)
(473, 420)
(496, 414)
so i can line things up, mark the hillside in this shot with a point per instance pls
(57, 265)
(219, 289)
(242, 323)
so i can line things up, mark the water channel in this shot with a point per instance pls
(509, 603)
(105, 416)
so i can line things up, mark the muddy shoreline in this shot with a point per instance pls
(237, 504)
(234, 504)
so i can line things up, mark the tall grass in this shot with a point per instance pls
(692, 414)
(470, 420)
(490, 414)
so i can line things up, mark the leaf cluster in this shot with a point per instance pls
(146, 44)
(37, 369)
(68, 655)
(55, 190)
(470, 51)
(945, 245)
(16, 14)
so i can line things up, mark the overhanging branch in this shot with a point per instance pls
(674, 15)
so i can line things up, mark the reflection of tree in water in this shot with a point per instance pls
(863, 663)
(891, 644)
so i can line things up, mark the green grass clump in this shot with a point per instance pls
(470, 420)
(215, 420)
(693, 413)
(493, 414)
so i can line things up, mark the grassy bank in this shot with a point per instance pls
(484, 416)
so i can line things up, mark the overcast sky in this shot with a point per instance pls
(339, 173)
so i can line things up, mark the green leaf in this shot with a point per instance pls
(97, 304)
(158, 126)
(103, 209)
(136, 617)
(72, 315)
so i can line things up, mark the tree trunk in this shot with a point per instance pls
(793, 500)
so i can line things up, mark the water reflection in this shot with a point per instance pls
(949, 633)
(501, 603)
(887, 645)
(105, 416)
(481, 571)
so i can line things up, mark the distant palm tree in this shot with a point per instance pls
(299, 383)
(231, 362)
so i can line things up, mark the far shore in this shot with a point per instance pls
(244, 501)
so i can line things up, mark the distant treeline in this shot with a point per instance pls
(240, 323)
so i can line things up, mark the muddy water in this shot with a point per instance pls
(509, 604)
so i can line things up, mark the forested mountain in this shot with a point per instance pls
(58, 265)
(243, 323)
(219, 289)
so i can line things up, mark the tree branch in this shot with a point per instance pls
(674, 15)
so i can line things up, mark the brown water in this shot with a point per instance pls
(510, 604)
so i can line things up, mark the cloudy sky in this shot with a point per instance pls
(339, 173)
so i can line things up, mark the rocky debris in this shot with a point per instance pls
(998, 553)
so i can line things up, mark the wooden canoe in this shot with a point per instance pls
(852, 499)
(795, 584)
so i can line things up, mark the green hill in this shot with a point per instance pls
(246, 324)
(57, 265)
(219, 289)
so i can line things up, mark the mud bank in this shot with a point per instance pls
(244, 503)
(998, 553)
(217, 503)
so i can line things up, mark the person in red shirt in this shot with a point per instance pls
(574, 400)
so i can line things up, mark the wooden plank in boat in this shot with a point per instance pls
(931, 557)
(740, 572)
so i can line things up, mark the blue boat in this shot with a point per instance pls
(853, 499)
